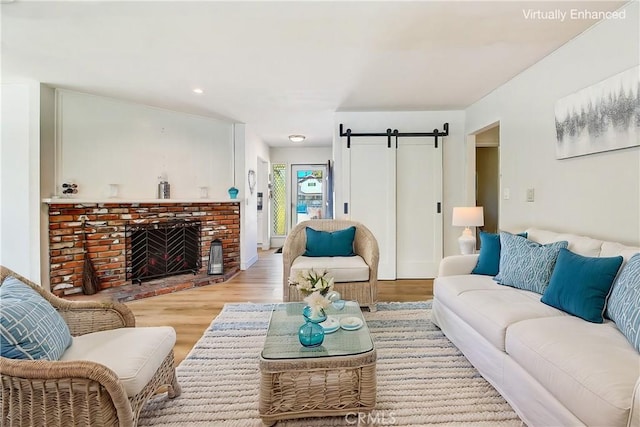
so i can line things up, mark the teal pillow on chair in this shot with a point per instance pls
(580, 285)
(30, 328)
(326, 243)
(624, 302)
(525, 264)
(489, 259)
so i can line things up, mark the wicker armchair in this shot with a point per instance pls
(365, 245)
(76, 393)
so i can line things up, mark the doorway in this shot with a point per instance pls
(308, 192)
(488, 176)
(262, 204)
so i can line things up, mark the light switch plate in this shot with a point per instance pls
(531, 194)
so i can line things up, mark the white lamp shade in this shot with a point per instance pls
(468, 217)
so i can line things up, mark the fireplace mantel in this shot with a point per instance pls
(71, 200)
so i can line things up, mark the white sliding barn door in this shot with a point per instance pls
(372, 178)
(419, 223)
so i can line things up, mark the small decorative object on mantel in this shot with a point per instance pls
(69, 188)
(233, 193)
(164, 188)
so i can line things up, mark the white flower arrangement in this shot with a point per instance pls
(310, 281)
(317, 302)
(315, 285)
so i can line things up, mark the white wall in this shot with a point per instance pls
(597, 195)
(300, 155)
(253, 147)
(102, 141)
(20, 178)
(47, 174)
(454, 156)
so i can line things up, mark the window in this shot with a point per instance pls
(279, 200)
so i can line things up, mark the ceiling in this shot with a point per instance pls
(283, 67)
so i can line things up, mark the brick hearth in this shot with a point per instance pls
(107, 244)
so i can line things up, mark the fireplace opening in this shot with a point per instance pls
(162, 249)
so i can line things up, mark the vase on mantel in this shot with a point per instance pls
(233, 193)
(311, 334)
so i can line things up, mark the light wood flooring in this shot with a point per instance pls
(191, 311)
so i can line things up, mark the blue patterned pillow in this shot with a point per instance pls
(489, 259)
(30, 328)
(624, 303)
(525, 264)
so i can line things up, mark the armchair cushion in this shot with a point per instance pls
(134, 354)
(342, 269)
(330, 243)
(30, 328)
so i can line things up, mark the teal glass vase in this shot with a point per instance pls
(307, 314)
(311, 334)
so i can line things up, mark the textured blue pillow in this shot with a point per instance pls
(489, 259)
(525, 264)
(624, 302)
(326, 243)
(580, 285)
(30, 328)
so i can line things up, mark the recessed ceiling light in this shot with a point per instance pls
(198, 91)
(297, 138)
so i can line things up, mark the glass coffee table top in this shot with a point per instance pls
(282, 336)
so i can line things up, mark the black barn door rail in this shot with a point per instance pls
(394, 133)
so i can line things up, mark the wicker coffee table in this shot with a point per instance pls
(337, 378)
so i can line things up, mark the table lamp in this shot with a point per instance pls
(467, 217)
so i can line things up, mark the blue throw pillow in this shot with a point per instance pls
(624, 302)
(489, 259)
(326, 243)
(525, 264)
(580, 285)
(30, 328)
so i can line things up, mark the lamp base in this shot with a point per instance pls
(467, 242)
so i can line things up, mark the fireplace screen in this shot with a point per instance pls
(162, 249)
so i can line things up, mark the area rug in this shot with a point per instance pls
(422, 378)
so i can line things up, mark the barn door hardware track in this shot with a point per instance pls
(395, 134)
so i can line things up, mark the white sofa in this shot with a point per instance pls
(554, 369)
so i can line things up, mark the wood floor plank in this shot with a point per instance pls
(191, 311)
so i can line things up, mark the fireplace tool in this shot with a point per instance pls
(90, 280)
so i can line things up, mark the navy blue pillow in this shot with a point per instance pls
(326, 243)
(489, 259)
(580, 285)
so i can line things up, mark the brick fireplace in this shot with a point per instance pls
(106, 238)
